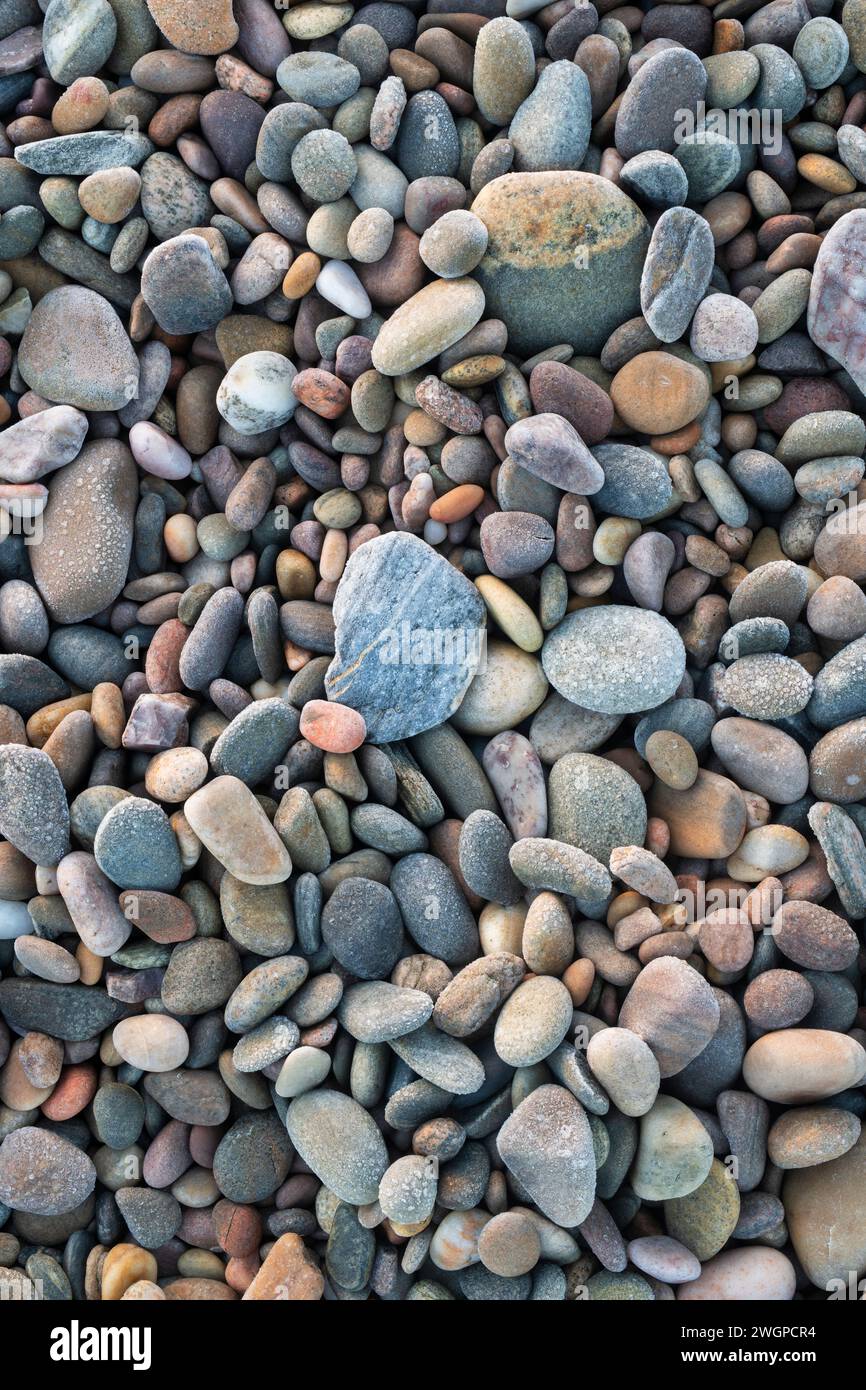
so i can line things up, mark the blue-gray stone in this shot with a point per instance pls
(550, 129)
(780, 88)
(711, 162)
(136, 847)
(656, 177)
(597, 658)
(408, 637)
(435, 912)
(85, 153)
(636, 482)
(693, 719)
(320, 79)
(34, 816)
(77, 38)
(20, 229)
(256, 741)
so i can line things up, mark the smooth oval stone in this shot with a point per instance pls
(533, 1021)
(256, 393)
(362, 926)
(600, 658)
(201, 975)
(90, 899)
(811, 1135)
(649, 115)
(252, 1159)
(814, 937)
(704, 1219)
(503, 72)
(405, 655)
(77, 38)
(321, 79)
(425, 325)
(441, 1060)
(664, 1258)
(626, 1068)
(595, 805)
(762, 759)
(230, 822)
(549, 447)
(75, 351)
(673, 1009)
(34, 816)
(261, 992)
(74, 1013)
(340, 1142)
(434, 909)
(534, 275)
(95, 496)
(550, 129)
(761, 1275)
(508, 688)
(183, 286)
(378, 1011)
(674, 1153)
(303, 1070)
(41, 443)
(151, 1042)
(636, 483)
(43, 1173)
(193, 1097)
(767, 686)
(560, 1178)
(551, 865)
(136, 847)
(799, 1065)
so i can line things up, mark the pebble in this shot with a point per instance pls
(560, 1180)
(544, 212)
(42, 1173)
(614, 661)
(75, 351)
(673, 1010)
(386, 665)
(432, 692)
(340, 1143)
(802, 1065)
(677, 271)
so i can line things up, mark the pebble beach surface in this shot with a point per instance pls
(432, 650)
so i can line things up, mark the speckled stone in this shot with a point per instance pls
(614, 660)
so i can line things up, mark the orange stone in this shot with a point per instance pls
(335, 728)
(657, 393)
(75, 1090)
(289, 1274)
(460, 502)
(124, 1266)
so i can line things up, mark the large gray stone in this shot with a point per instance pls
(408, 637)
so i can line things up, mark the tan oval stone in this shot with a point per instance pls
(508, 688)
(799, 1065)
(758, 1275)
(231, 824)
(706, 821)
(152, 1042)
(656, 393)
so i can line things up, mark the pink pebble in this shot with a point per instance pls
(334, 727)
(156, 452)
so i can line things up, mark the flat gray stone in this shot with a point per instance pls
(408, 637)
